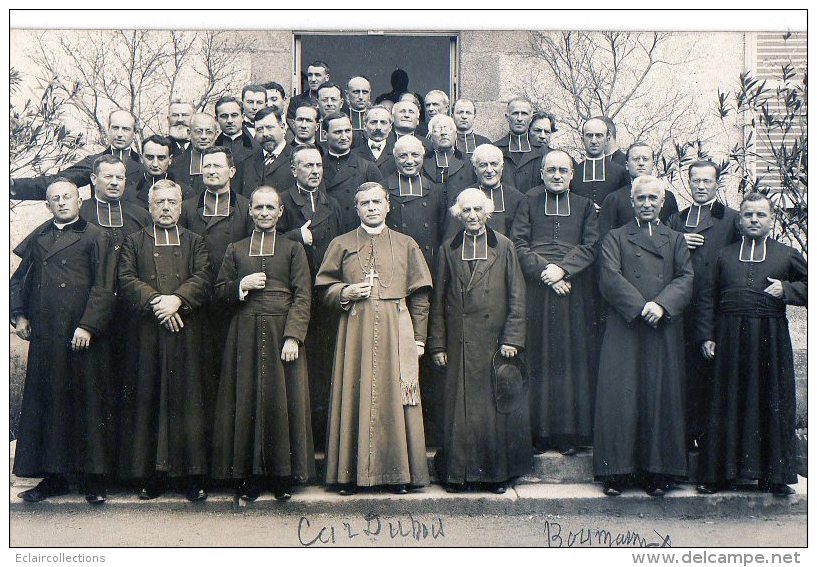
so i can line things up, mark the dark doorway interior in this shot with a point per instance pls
(426, 59)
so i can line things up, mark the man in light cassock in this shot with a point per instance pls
(555, 233)
(646, 279)
(478, 309)
(379, 281)
(708, 226)
(750, 413)
(164, 278)
(263, 433)
(61, 299)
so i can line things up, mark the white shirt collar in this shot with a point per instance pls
(61, 225)
(373, 230)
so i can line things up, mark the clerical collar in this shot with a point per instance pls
(694, 214)
(519, 143)
(322, 134)
(62, 225)
(235, 136)
(166, 236)
(152, 179)
(475, 246)
(109, 213)
(557, 204)
(409, 186)
(305, 143)
(338, 156)
(311, 192)
(262, 243)
(373, 230)
(196, 158)
(497, 195)
(216, 204)
(750, 252)
(468, 141)
(442, 158)
(121, 154)
(655, 222)
(597, 169)
(356, 116)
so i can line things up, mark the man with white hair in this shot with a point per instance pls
(165, 280)
(646, 278)
(482, 443)
(406, 115)
(436, 102)
(488, 164)
(417, 202)
(444, 163)
(555, 234)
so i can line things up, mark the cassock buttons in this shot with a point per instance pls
(63, 262)
(425, 204)
(62, 284)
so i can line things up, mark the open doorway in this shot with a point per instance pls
(429, 60)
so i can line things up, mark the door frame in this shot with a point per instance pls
(453, 53)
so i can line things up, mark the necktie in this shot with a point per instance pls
(268, 158)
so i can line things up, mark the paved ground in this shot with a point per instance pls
(121, 527)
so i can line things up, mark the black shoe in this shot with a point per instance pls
(153, 488)
(282, 492)
(655, 489)
(347, 489)
(194, 492)
(497, 487)
(612, 489)
(250, 489)
(568, 450)
(539, 448)
(454, 487)
(707, 488)
(53, 485)
(399, 489)
(781, 490)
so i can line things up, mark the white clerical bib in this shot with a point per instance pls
(166, 236)
(410, 186)
(594, 170)
(262, 243)
(752, 252)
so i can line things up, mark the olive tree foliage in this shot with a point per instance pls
(580, 74)
(39, 142)
(140, 71)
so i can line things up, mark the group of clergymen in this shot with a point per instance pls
(260, 283)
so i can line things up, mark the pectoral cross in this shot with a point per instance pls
(371, 276)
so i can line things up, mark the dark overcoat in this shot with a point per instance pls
(163, 416)
(255, 173)
(617, 209)
(472, 314)
(65, 281)
(501, 219)
(639, 425)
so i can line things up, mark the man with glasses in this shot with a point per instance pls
(186, 167)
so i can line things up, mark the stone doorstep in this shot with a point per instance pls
(563, 499)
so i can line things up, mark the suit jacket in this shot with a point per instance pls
(217, 232)
(178, 146)
(522, 170)
(325, 223)
(242, 147)
(421, 217)
(33, 188)
(351, 171)
(385, 163)
(254, 173)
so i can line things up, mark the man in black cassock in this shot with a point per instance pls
(61, 299)
(708, 226)
(359, 100)
(646, 279)
(263, 432)
(270, 165)
(487, 162)
(220, 216)
(305, 127)
(343, 171)
(165, 281)
(750, 413)
(555, 234)
(617, 209)
(235, 135)
(157, 155)
(186, 167)
(483, 442)
(597, 176)
(121, 128)
(523, 154)
(464, 113)
(612, 150)
(312, 218)
(444, 163)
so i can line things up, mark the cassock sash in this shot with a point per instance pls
(216, 204)
(557, 204)
(519, 143)
(752, 252)
(598, 170)
(109, 214)
(166, 236)
(410, 186)
(262, 243)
